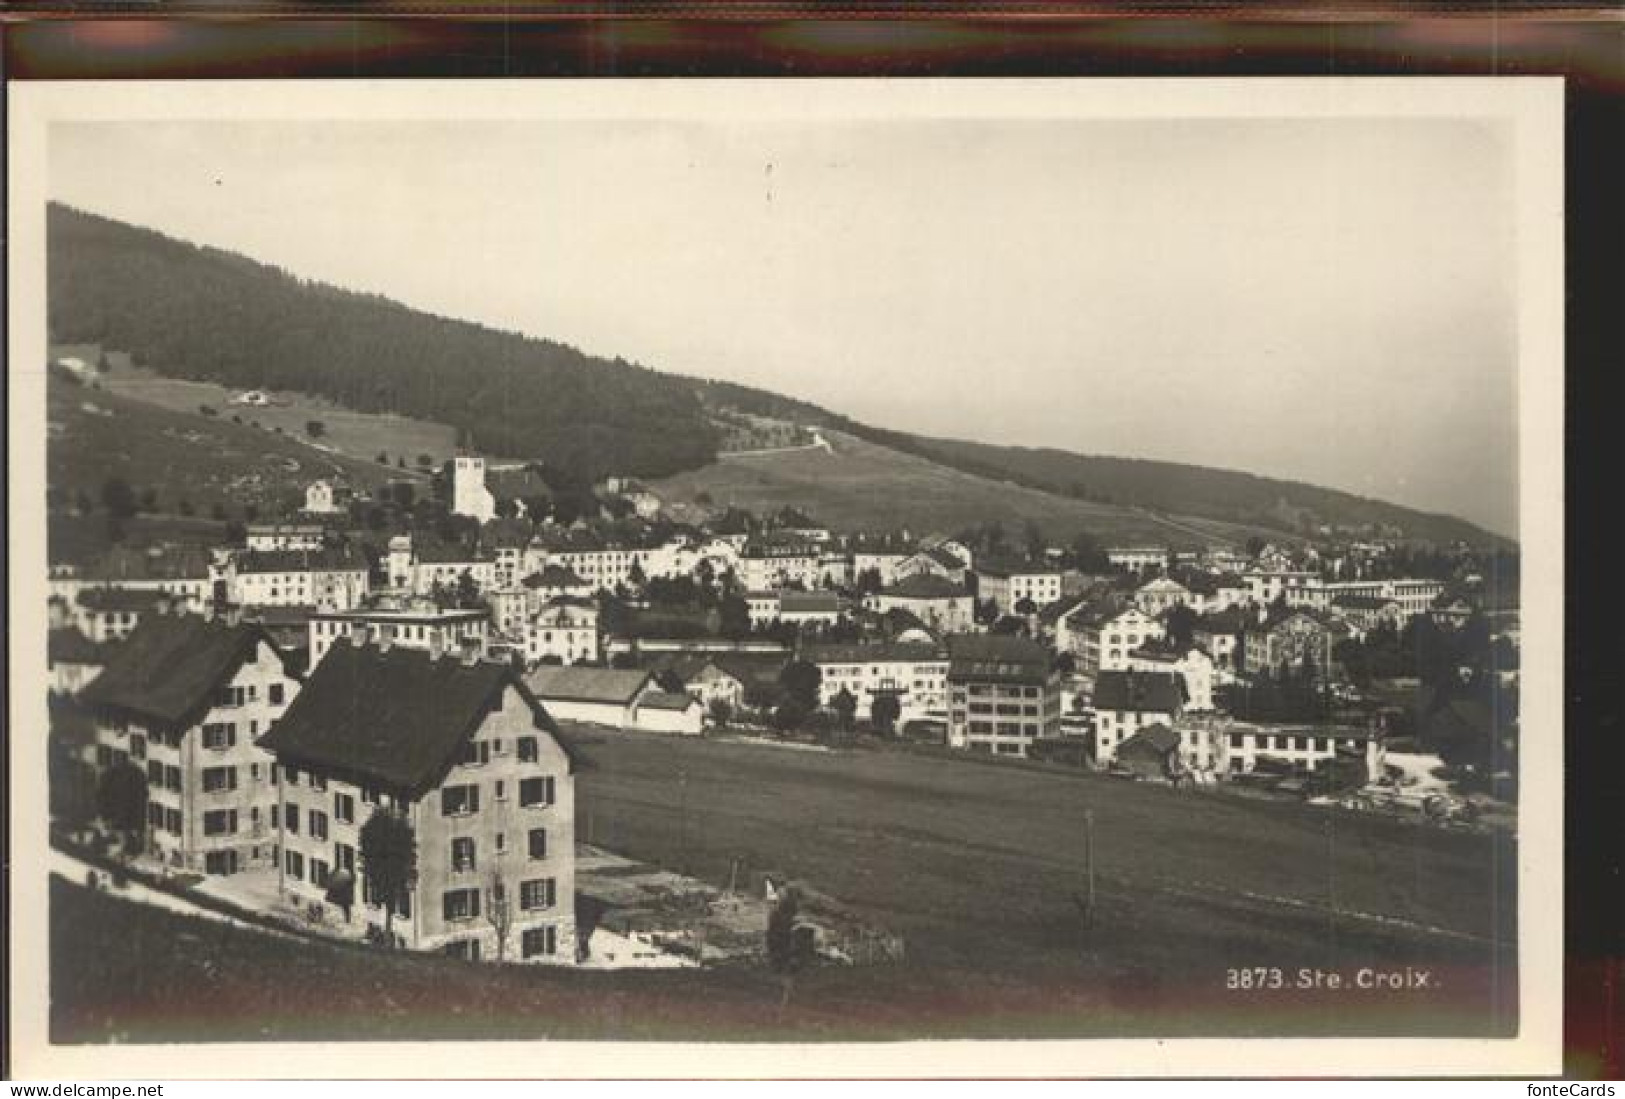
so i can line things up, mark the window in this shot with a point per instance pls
(344, 808)
(536, 791)
(462, 854)
(155, 773)
(155, 814)
(319, 872)
(254, 771)
(296, 865)
(220, 862)
(459, 801)
(219, 735)
(172, 778)
(291, 775)
(276, 690)
(219, 779)
(527, 750)
(173, 821)
(138, 746)
(476, 753)
(344, 857)
(539, 942)
(537, 893)
(318, 824)
(460, 904)
(502, 843)
(538, 843)
(290, 818)
(317, 782)
(466, 949)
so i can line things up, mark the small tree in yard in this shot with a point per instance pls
(885, 711)
(846, 709)
(721, 711)
(121, 801)
(499, 912)
(315, 429)
(389, 858)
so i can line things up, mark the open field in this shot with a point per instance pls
(186, 457)
(975, 864)
(360, 435)
(862, 486)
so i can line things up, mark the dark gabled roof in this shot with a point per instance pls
(121, 599)
(1231, 620)
(172, 563)
(926, 585)
(1158, 737)
(1007, 567)
(262, 561)
(1061, 607)
(170, 666)
(667, 700)
(997, 657)
(575, 683)
(1145, 692)
(554, 576)
(810, 601)
(393, 717)
(69, 646)
(888, 652)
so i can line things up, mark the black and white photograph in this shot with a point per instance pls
(844, 564)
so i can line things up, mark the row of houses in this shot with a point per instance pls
(249, 766)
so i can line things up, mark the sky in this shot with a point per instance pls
(1322, 300)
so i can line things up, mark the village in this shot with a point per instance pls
(353, 724)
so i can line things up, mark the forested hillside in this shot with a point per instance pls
(200, 313)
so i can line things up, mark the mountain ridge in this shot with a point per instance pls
(210, 314)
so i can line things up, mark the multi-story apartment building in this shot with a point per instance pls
(266, 537)
(1191, 664)
(331, 579)
(566, 628)
(1138, 558)
(185, 699)
(1127, 701)
(1003, 694)
(1104, 633)
(940, 603)
(112, 614)
(409, 624)
(1288, 639)
(770, 564)
(916, 675)
(186, 572)
(1007, 584)
(469, 759)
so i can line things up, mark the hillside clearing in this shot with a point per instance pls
(858, 485)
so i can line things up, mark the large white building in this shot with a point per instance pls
(408, 624)
(1008, 585)
(916, 675)
(566, 628)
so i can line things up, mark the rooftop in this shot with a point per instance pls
(396, 717)
(925, 586)
(575, 683)
(1147, 692)
(169, 667)
(997, 657)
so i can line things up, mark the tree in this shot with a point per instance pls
(669, 681)
(315, 429)
(383, 458)
(735, 617)
(425, 462)
(1026, 607)
(884, 712)
(118, 499)
(788, 716)
(499, 912)
(121, 801)
(846, 709)
(1180, 626)
(389, 859)
(722, 711)
(801, 680)
(468, 592)
(787, 946)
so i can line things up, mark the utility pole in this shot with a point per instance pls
(1089, 861)
(682, 817)
(1331, 883)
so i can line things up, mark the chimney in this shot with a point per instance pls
(386, 639)
(233, 614)
(358, 634)
(437, 643)
(470, 651)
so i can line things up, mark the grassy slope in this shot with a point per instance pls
(975, 864)
(870, 487)
(185, 456)
(359, 435)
